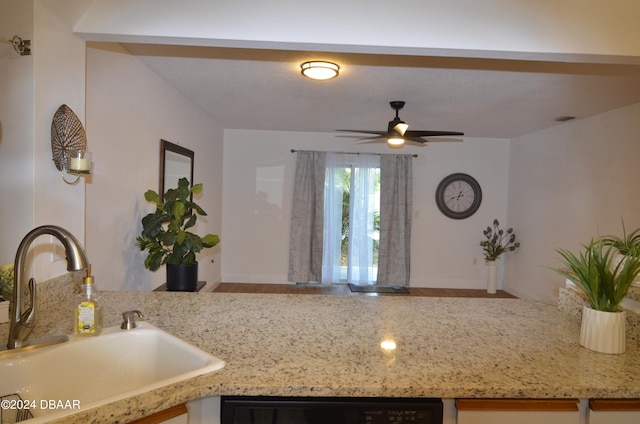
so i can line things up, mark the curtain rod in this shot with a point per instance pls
(352, 153)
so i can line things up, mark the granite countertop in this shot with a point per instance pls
(316, 345)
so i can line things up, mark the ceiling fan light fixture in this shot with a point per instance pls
(320, 70)
(400, 127)
(395, 141)
(397, 133)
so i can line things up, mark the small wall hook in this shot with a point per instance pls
(21, 46)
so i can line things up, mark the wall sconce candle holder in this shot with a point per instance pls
(69, 145)
(79, 162)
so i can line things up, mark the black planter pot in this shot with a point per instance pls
(182, 278)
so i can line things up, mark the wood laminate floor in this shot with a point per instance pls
(344, 290)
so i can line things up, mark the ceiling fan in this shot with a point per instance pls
(397, 131)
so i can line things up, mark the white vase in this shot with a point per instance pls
(492, 277)
(603, 331)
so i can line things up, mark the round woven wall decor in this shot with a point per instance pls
(67, 135)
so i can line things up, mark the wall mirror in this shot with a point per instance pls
(175, 162)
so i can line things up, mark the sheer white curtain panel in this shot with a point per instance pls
(361, 220)
(334, 189)
(359, 268)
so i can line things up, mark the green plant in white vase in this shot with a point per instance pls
(498, 241)
(605, 285)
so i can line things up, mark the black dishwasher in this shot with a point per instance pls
(328, 410)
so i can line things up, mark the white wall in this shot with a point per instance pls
(568, 184)
(16, 129)
(491, 28)
(129, 109)
(59, 58)
(33, 89)
(446, 252)
(258, 185)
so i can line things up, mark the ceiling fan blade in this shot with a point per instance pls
(443, 140)
(433, 140)
(378, 133)
(360, 137)
(372, 140)
(415, 142)
(422, 141)
(417, 133)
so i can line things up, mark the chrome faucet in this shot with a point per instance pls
(129, 319)
(22, 310)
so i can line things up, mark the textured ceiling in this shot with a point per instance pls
(264, 90)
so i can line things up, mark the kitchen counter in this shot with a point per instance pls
(315, 345)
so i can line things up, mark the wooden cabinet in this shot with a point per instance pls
(175, 415)
(518, 411)
(618, 411)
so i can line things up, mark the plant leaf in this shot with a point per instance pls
(196, 189)
(178, 210)
(210, 240)
(152, 196)
(191, 222)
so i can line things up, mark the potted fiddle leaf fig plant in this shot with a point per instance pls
(166, 238)
(605, 284)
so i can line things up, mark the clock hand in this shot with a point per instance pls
(457, 197)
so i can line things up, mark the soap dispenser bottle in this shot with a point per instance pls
(87, 309)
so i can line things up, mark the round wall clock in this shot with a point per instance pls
(458, 196)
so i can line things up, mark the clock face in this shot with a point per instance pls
(458, 196)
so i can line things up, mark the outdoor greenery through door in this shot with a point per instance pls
(346, 208)
(352, 217)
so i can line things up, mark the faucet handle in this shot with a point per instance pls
(28, 317)
(129, 319)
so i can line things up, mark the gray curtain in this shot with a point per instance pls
(307, 218)
(394, 260)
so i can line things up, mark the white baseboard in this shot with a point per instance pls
(256, 279)
(426, 283)
(446, 283)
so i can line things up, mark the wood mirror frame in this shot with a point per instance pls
(175, 162)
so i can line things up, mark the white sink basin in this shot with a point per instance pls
(99, 370)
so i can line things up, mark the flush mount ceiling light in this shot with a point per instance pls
(319, 70)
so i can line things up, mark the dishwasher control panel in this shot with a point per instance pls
(333, 410)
